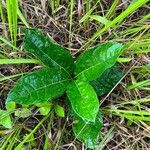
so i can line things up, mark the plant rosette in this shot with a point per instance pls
(90, 76)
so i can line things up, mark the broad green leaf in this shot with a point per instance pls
(39, 86)
(52, 55)
(44, 108)
(83, 99)
(59, 111)
(107, 81)
(88, 132)
(92, 63)
(23, 113)
(5, 119)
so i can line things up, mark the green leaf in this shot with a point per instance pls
(52, 55)
(59, 111)
(39, 86)
(83, 99)
(23, 113)
(88, 132)
(44, 108)
(11, 106)
(92, 63)
(107, 80)
(5, 119)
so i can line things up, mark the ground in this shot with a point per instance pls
(71, 24)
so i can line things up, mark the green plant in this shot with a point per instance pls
(61, 75)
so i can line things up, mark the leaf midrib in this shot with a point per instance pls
(29, 93)
(76, 85)
(81, 97)
(101, 64)
(54, 62)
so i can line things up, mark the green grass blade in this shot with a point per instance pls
(103, 142)
(14, 139)
(6, 142)
(1, 12)
(131, 112)
(19, 147)
(14, 16)
(3, 56)
(57, 3)
(3, 19)
(87, 15)
(10, 19)
(52, 5)
(139, 44)
(112, 9)
(70, 22)
(124, 59)
(146, 17)
(134, 117)
(88, 6)
(133, 102)
(139, 84)
(18, 61)
(8, 43)
(117, 20)
(22, 18)
(10, 77)
(100, 19)
(139, 51)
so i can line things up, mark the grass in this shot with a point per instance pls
(125, 108)
(27, 137)
(70, 17)
(117, 20)
(18, 61)
(8, 43)
(12, 6)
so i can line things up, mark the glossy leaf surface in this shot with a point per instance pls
(39, 86)
(107, 81)
(52, 55)
(88, 132)
(92, 63)
(83, 99)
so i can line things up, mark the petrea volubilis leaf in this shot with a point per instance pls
(52, 55)
(83, 99)
(107, 80)
(92, 63)
(88, 132)
(39, 86)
